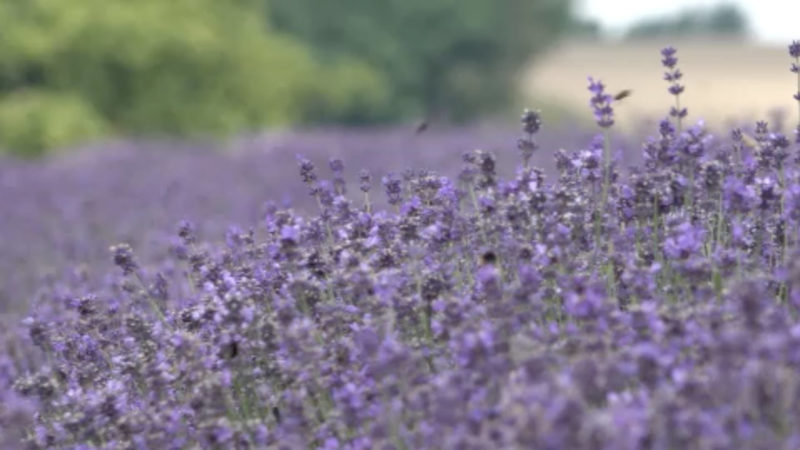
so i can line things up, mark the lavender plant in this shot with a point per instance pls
(532, 122)
(673, 76)
(453, 312)
(794, 52)
(604, 116)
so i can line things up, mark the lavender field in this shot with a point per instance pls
(60, 215)
(556, 289)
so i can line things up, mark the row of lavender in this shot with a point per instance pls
(59, 216)
(651, 309)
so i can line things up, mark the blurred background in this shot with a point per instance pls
(82, 71)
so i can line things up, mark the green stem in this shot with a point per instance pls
(151, 300)
(782, 181)
(606, 165)
(717, 282)
(797, 63)
(478, 214)
(611, 281)
(690, 203)
(718, 238)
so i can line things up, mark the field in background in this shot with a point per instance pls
(724, 80)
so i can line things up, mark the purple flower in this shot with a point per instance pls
(527, 318)
(337, 167)
(584, 298)
(364, 180)
(532, 122)
(307, 171)
(676, 89)
(601, 104)
(685, 240)
(794, 49)
(670, 60)
(186, 231)
(589, 161)
(123, 258)
(289, 233)
(738, 196)
(794, 52)
(673, 75)
(393, 186)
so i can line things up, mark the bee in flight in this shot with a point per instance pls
(230, 350)
(488, 258)
(623, 94)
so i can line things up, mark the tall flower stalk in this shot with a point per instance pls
(673, 75)
(531, 123)
(794, 52)
(604, 116)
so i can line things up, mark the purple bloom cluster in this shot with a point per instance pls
(531, 123)
(477, 311)
(601, 103)
(58, 217)
(794, 52)
(673, 76)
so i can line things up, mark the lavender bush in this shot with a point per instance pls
(651, 307)
(59, 216)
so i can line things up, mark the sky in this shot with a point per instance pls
(771, 21)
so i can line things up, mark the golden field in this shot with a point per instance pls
(725, 80)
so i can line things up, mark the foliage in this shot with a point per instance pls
(587, 29)
(448, 57)
(33, 121)
(351, 92)
(182, 67)
(723, 19)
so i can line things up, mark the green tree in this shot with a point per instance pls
(723, 19)
(727, 19)
(178, 67)
(34, 121)
(450, 57)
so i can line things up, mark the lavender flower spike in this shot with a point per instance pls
(673, 76)
(794, 52)
(531, 123)
(123, 257)
(601, 104)
(604, 116)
